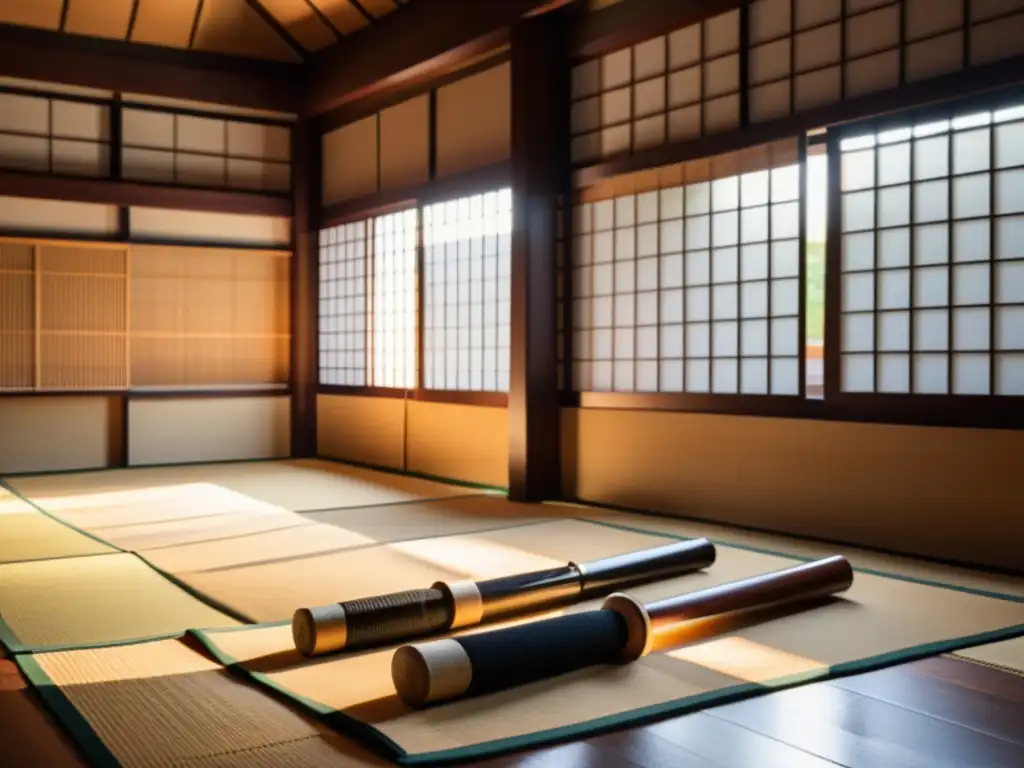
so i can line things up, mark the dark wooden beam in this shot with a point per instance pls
(473, 182)
(114, 65)
(324, 19)
(279, 29)
(631, 22)
(195, 24)
(113, 192)
(357, 110)
(131, 20)
(540, 174)
(423, 41)
(304, 290)
(362, 11)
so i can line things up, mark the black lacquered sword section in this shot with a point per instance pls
(531, 652)
(610, 573)
(523, 591)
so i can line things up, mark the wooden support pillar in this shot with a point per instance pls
(540, 173)
(304, 289)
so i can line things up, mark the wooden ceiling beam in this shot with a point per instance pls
(279, 29)
(416, 44)
(34, 54)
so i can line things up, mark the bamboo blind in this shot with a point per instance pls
(97, 317)
(17, 316)
(209, 317)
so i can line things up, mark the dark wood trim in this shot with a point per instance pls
(153, 394)
(833, 270)
(116, 115)
(304, 345)
(278, 28)
(919, 410)
(456, 397)
(941, 89)
(484, 179)
(386, 392)
(207, 394)
(115, 65)
(460, 397)
(120, 450)
(179, 243)
(357, 110)
(432, 135)
(628, 23)
(744, 64)
(425, 40)
(113, 192)
(540, 170)
(483, 399)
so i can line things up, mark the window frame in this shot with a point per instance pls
(481, 181)
(947, 409)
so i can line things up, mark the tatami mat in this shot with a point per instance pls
(27, 534)
(296, 485)
(876, 622)
(272, 591)
(1007, 655)
(161, 703)
(442, 517)
(92, 600)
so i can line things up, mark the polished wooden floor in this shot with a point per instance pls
(936, 713)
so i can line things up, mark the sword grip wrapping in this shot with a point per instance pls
(386, 618)
(371, 621)
(473, 665)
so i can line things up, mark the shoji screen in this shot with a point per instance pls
(205, 151)
(677, 87)
(52, 135)
(467, 251)
(692, 282)
(368, 302)
(932, 291)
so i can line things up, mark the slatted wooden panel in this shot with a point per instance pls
(208, 317)
(82, 321)
(17, 316)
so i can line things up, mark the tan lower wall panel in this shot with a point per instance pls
(177, 431)
(58, 433)
(939, 492)
(369, 430)
(461, 442)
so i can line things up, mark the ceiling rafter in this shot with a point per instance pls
(131, 20)
(195, 25)
(325, 20)
(365, 13)
(271, 21)
(64, 14)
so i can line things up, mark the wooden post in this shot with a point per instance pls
(304, 289)
(540, 174)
